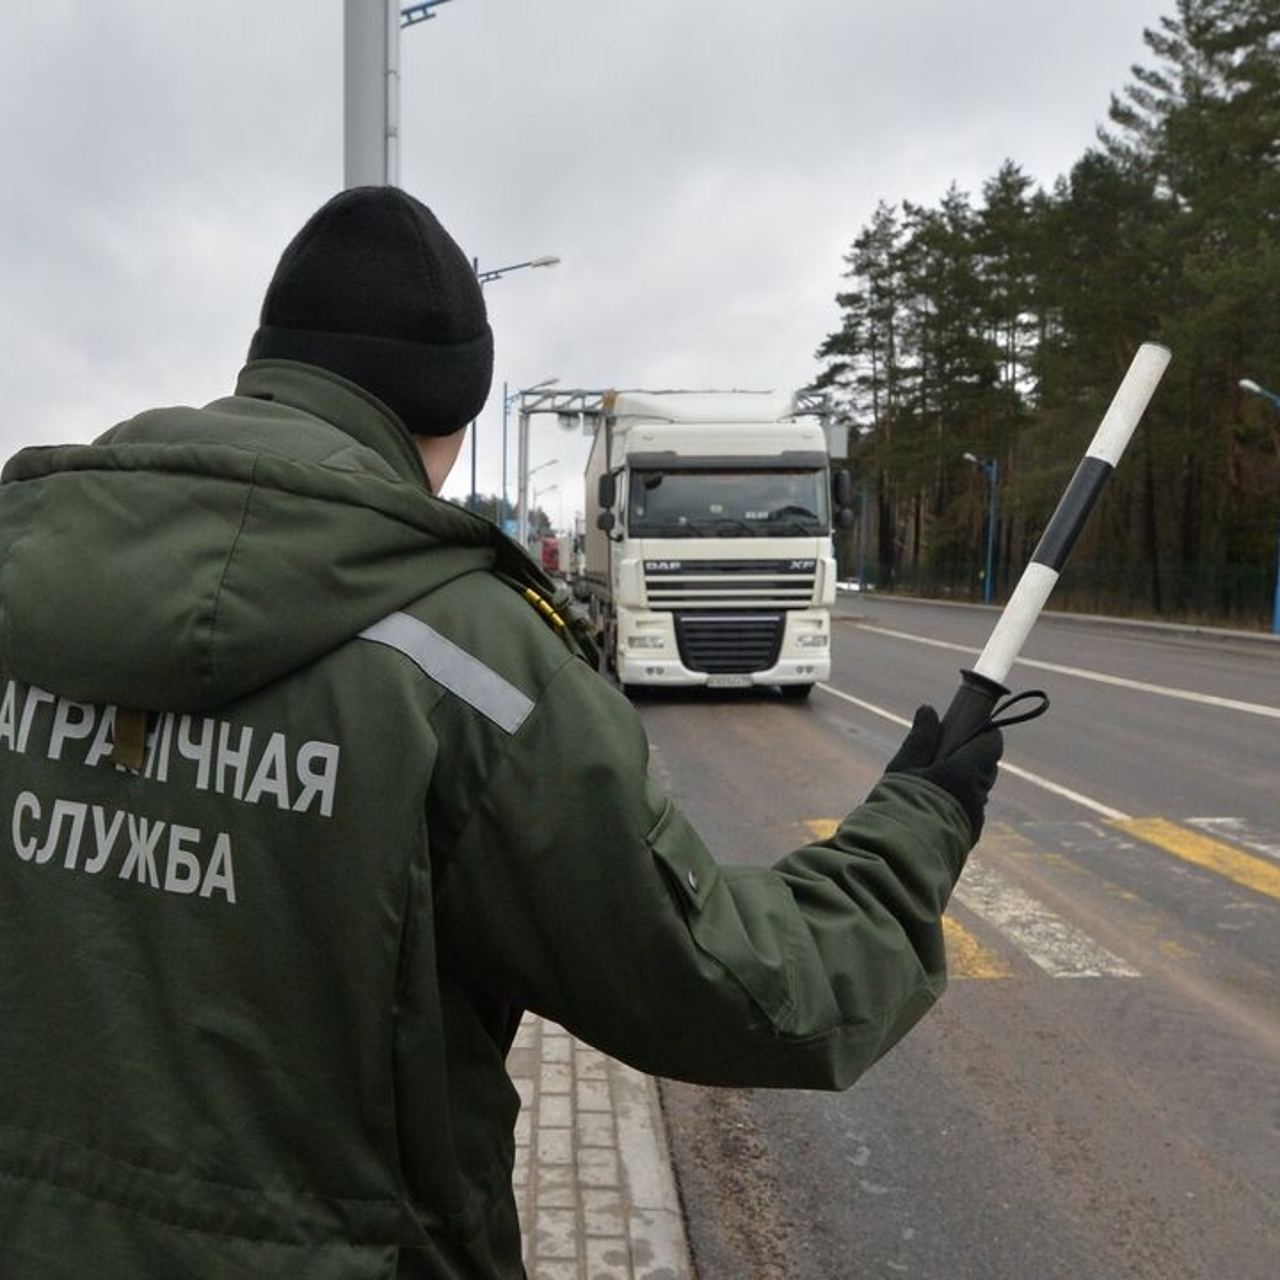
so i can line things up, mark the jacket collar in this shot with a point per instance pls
(338, 402)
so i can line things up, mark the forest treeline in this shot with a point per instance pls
(1000, 327)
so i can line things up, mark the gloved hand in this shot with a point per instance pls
(968, 772)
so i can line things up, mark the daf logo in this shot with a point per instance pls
(663, 566)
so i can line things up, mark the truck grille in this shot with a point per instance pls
(715, 584)
(724, 643)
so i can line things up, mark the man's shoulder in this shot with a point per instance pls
(508, 626)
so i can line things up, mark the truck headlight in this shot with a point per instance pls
(645, 641)
(811, 640)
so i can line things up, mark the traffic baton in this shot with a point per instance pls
(975, 703)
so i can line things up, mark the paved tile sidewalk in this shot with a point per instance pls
(593, 1175)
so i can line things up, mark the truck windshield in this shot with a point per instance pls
(706, 503)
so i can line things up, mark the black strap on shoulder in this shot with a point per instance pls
(553, 601)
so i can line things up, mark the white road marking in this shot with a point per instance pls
(1237, 831)
(1036, 779)
(1099, 677)
(1059, 948)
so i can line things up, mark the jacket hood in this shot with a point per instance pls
(192, 556)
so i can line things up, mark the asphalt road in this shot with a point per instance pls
(1098, 1094)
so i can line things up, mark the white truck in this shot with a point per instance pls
(709, 557)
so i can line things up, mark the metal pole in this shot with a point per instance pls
(391, 129)
(371, 78)
(522, 478)
(1275, 614)
(863, 523)
(483, 277)
(1248, 384)
(506, 405)
(989, 583)
(471, 501)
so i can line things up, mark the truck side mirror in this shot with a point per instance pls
(606, 520)
(844, 499)
(608, 492)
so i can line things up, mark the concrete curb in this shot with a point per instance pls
(593, 1178)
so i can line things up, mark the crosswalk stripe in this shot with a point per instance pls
(1059, 948)
(1258, 874)
(1242, 834)
(1056, 946)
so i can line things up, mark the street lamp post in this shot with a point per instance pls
(991, 469)
(496, 273)
(371, 88)
(1248, 384)
(484, 277)
(546, 488)
(526, 473)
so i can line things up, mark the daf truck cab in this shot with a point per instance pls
(709, 556)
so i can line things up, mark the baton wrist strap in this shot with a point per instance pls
(982, 703)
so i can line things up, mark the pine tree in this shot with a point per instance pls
(1203, 126)
(1004, 329)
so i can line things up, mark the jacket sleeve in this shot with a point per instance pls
(578, 890)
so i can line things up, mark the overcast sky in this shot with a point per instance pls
(700, 167)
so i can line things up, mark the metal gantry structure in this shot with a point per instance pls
(585, 409)
(574, 408)
(509, 398)
(414, 13)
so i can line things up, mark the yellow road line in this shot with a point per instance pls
(967, 957)
(1258, 874)
(822, 828)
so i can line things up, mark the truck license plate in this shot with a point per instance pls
(729, 682)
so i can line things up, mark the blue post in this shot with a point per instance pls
(1275, 613)
(991, 470)
(1248, 384)
(863, 522)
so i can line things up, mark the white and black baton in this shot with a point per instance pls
(982, 687)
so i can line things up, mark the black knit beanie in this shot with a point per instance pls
(375, 289)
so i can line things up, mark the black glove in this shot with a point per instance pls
(968, 772)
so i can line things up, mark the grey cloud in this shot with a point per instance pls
(699, 166)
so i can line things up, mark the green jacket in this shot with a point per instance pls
(302, 803)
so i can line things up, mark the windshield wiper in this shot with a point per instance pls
(794, 519)
(722, 524)
(659, 529)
